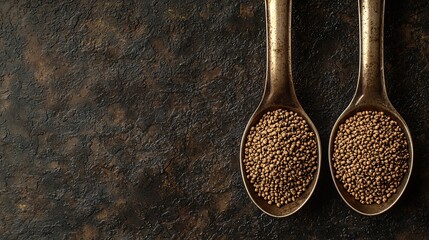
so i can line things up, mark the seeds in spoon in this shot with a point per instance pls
(280, 156)
(370, 156)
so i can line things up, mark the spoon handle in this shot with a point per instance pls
(371, 83)
(279, 86)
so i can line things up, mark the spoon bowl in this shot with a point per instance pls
(262, 204)
(371, 95)
(279, 94)
(372, 209)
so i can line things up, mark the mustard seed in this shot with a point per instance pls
(280, 156)
(378, 149)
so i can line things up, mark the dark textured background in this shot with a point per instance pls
(123, 119)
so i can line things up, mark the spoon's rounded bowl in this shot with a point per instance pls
(290, 208)
(372, 209)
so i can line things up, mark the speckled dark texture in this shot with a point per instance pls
(123, 119)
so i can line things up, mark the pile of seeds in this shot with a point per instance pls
(370, 156)
(280, 156)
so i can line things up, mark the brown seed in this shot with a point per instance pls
(280, 156)
(370, 156)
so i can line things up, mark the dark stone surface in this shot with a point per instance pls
(122, 119)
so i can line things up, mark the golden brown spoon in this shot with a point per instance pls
(371, 95)
(279, 94)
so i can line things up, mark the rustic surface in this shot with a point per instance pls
(123, 119)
